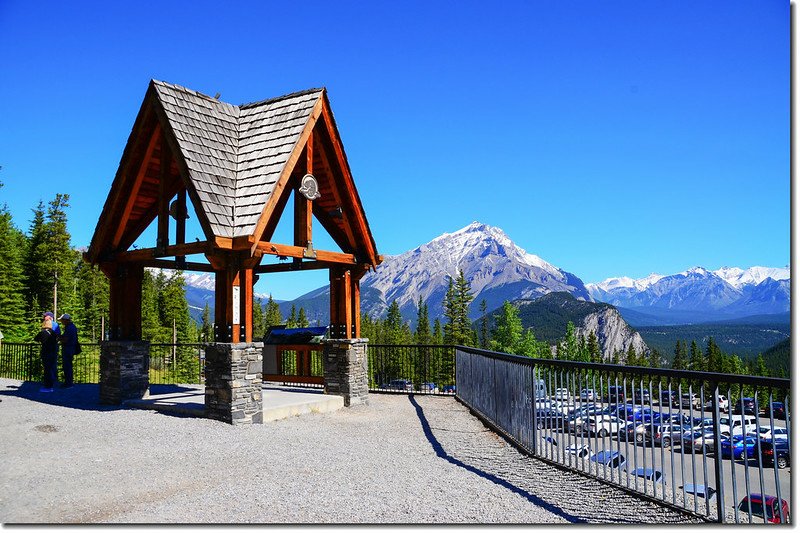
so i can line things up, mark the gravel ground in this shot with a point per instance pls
(401, 459)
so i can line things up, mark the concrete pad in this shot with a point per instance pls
(279, 401)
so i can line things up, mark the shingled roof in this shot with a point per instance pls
(237, 164)
(234, 154)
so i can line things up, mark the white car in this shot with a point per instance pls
(764, 432)
(733, 425)
(581, 452)
(721, 400)
(604, 425)
(562, 395)
(588, 395)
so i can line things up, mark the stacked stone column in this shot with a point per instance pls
(345, 370)
(124, 371)
(233, 383)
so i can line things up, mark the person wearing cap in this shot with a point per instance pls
(49, 353)
(48, 315)
(69, 344)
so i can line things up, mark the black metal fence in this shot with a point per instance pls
(428, 369)
(169, 363)
(709, 444)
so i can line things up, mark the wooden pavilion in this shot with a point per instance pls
(239, 166)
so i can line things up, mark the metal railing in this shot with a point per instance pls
(644, 429)
(169, 363)
(427, 369)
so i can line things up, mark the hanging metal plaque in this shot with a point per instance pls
(236, 301)
(309, 187)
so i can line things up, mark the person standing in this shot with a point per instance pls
(69, 345)
(49, 353)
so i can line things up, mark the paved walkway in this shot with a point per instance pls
(401, 459)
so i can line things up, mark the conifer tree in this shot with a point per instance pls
(273, 316)
(631, 358)
(655, 358)
(291, 322)
(37, 271)
(696, 361)
(457, 328)
(570, 351)
(438, 335)
(679, 360)
(713, 356)
(207, 327)
(593, 347)
(174, 309)
(507, 332)
(93, 292)
(484, 339)
(302, 319)
(13, 321)
(259, 327)
(151, 323)
(423, 332)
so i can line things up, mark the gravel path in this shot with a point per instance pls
(402, 459)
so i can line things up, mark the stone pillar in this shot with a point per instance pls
(124, 371)
(233, 383)
(345, 368)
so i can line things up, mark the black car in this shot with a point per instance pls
(749, 405)
(775, 450)
(548, 418)
(668, 398)
(778, 411)
(641, 396)
(615, 395)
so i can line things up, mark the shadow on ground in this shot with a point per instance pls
(84, 396)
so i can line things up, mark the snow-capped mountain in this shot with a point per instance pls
(728, 292)
(496, 268)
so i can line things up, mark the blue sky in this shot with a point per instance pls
(609, 138)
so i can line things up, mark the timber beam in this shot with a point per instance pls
(284, 250)
(145, 254)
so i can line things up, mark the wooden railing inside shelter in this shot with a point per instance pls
(295, 363)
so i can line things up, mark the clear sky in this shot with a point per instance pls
(609, 138)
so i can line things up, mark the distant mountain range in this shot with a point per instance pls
(697, 295)
(499, 270)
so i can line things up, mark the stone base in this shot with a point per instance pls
(233, 383)
(345, 370)
(124, 371)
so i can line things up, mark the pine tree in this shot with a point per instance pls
(93, 292)
(713, 356)
(484, 339)
(62, 258)
(151, 323)
(438, 335)
(761, 366)
(679, 360)
(273, 316)
(291, 322)
(394, 324)
(302, 320)
(570, 352)
(423, 332)
(593, 347)
(655, 358)
(457, 328)
(174, 309)
(259, 328)
(38, 274)
(207, 326)
(696, 361)
(631, 359)
(13, 322)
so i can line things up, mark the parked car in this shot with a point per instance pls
(778, 411)
(699, 441)
(641, 396)
(562, 395)
(548, 418)
(578, 417)
(400, 384)
(603, 425)
(650, 474)
(702, 423)
(609, 458)
(757, 504)
(776, 451)
(670, 398)
(639, 433)
(722, 401)
(739, 447)
(449, 389)
(734, 425)
(428, 387)
(690, 401)
(666, 434)
(765, 432)
(615, 395)
(748, 405)
(588, 395)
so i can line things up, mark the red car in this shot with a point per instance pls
(757, 503)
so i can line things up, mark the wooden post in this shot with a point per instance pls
(246, 304)
(125, 300)
(162, 240)
(356, 307)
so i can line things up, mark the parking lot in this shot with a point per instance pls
(680, 466)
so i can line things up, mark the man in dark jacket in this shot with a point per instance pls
(69, 344)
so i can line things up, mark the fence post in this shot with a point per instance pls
(718, 473)
(533, 410)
